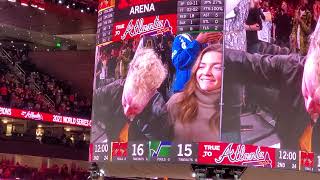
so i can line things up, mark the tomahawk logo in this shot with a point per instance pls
(139, 27)
(119, 149)
(306, 160)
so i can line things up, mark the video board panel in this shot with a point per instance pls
(178, 85)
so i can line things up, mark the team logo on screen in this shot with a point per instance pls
(148, 27)
(306, 160)
(159, 148)
(119, 149)
(32, 115)
(236, 154)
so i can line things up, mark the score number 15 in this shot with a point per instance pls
(184, 150)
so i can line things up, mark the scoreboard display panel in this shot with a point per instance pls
(194, 82)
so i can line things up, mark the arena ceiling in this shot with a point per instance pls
(45, 28)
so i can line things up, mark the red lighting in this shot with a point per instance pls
(40, 116)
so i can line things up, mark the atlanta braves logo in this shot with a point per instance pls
(158, 26)
(238, 154)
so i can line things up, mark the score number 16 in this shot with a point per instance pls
(137, 149)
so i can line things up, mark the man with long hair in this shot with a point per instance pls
(132, 108)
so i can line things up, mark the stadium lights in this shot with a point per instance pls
(12, 0)
(68, 6)
(60, 1)
(24, 4)
(82, 10)
(193, 175)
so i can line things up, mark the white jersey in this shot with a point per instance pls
(265, 33)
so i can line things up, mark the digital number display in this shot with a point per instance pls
(184, 152)
(128, 29)
(287, 159)
(138, 151)
(101, 152)
(199, 15)
(160, 151)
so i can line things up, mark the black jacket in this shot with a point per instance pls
(109, 119)
(281, 72)
(254, 17)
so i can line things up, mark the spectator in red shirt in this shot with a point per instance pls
(4, 93)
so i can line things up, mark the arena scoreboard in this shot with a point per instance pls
(205, 153)
(200, 15)
(183, 16)
(169, 27)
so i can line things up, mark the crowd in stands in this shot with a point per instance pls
(64, 100)
(18, 94)
(285, 23)
(9, 170)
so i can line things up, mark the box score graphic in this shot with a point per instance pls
(138, 151)
(200, 15)
(287, 159)
(205, 153)
(99, 152)
(236, 154)
(184, 153)
(159, 150)
(119, 151)
(306, 162)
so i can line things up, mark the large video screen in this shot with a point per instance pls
(206, 82)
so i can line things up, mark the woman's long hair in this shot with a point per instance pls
(188, 106)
